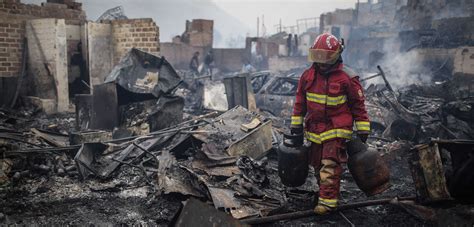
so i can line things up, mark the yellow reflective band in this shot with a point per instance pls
(328, 202)
(317, 96)
(296, 120)
(312, 97)
(324, 99)
(334, 101)
(327, 135)
(362, 125)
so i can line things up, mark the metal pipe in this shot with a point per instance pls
(382, 73)
(309, 213)
(370, 77)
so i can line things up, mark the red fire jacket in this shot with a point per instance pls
(329, 104)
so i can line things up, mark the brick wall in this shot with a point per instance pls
(13, 17)
(142, 34)
(109, 41)
(199, 33)
(11, 47)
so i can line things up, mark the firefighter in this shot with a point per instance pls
(329, 102)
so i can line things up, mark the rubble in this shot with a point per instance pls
(217, 159)
(149, 145)
(197, 213)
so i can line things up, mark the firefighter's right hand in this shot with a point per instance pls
(295, 130)
(363, 137)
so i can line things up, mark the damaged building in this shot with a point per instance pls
(49, 57)
(105, 123)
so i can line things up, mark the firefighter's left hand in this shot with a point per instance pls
(363, 137)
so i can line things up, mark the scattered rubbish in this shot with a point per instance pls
(239, 92)
(309, 213)
(233, 140)
(83, 111)
(87, 155)
(428, 173)
(5, 168)
(115, 13)
(166, 113)
(196, 213)
(145, 137)
(89, 137)
(224, 198)
(251, 125)
(457, 163)
(214, 97)
(55, 139)
(140, 74)
(419, 211)
(173, 179)
(252, 171)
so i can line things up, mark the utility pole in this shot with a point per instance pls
(357, 14)
(280, 26)
(258, 26)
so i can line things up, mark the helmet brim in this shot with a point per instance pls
(323, 56)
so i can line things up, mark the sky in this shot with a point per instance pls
(274, 10)
(233, 19)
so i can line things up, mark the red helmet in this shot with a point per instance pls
(325, 50)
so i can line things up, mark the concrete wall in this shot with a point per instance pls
(338, 17)
(418, 14)
(179, 54)
(358, 57)
(276, 64)
(48, 69)
(464, 61)
(381, 13)
(230, 60)
(344, 31)
(227, 60)
(100, 51)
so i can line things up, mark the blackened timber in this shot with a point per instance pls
(309, 213)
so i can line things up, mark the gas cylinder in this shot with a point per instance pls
(367, 167)
(292, 161)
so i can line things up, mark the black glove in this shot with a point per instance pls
(364, 137)
(296, 138)
(296, 130)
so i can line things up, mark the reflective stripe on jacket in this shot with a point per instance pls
(329, 104)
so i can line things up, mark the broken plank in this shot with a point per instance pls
(54, 139)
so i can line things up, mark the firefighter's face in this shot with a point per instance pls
(324, 67)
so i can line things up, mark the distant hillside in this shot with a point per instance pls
(170, 15)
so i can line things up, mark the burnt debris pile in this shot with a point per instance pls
(137, 150)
